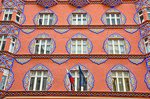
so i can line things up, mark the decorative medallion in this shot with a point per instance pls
(136, 18)
(17, 46)
(10, 80)
(145, 30)
(112, 10)
(120, 67)
(22, 18)
(79, 3)
(43, 35)
(26, 78)
(98, 60)
(48, 11)
(27, 31)
(136, 61)
(112, 3)
(22, 60)
(6, 61)
(76, 36)
(46, 3)
(88, 17)
(61, 31)
(131, 30)
(117, 36)
(59, 60)
(90, 79)
(141, 46)
(97, 31)
(142, 5)
(147, 76)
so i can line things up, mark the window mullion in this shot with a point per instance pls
(113, 46)
(40, 42)
(119, 46)
(81, 19)
(35, 81)
(118, 89)
(45, 46)
(76, 19)
(41, 81)
(81, 46)
(110, 19)
(116, 19)
(76, 82)
(43, 19)
(124, 87)
(76, 46)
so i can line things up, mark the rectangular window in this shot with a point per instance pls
(8, 14)
(38, 80)
(2, 42)
(79, 46)
(120, 81)
(76, 83)
(141, 17)
(113, 19)
(18, 16)
(116, 46)
(4, 79)
(12, 45)
(45, 19)
(148, 12)
(147, 45)
(79, 19)
(42, 46)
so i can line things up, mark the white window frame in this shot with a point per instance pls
(40, 46)
(147, 47)
(118, 45)
(77, 18)
(12, 45)
(8, 13)
(76, 44)
(5, 73)
(35, 79)
(148, 12)
(76, 76)
(19, 16)
(3, 41)
(141, 15)
(49, 17)
(111, 18)
(123, 77)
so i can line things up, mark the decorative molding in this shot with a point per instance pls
(79, 35)
(115, 35)
(131, 30)
(22, 18)
(97, 31)
(136, 61)
(36, 17)
(132, 81)
(112, 10)
(147, 76)
(6, 61)
(112, 3)
(145, 30)
(22, 60)
(43, 35)
(142, 5)
(46, 3)
(10, 80)
(17, 46)
(27, 31)
(136, 18)
(98, 60)
(90, 79)
(89, 19)
(79, 3)
(61, 31)
(141, 46)
(26, 78)
(59, 60)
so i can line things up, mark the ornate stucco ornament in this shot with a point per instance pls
(46, 3)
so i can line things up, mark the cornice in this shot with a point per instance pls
(76, 94)
(76, 56)
(74, 26)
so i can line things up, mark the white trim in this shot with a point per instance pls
(19, 16)
(12, 45)
(9, 12)
(44, 18)
(3, 41)
(82, 18)
(141, 15)
(5, 73)
(115, 17)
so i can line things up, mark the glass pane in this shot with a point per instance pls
(107, 15)
(74, 15)
(126, 74)
(114, 82)
(45, 73)
(33, 73)
(41, 15)
(84, 15)
(110, 42)
(79, 49)
(46, 16)
(78, 85)
(51, 15)
(141, 18)
(113, 21)
(79, 21)
(5, 37)
(112, 15)
(5, 18)
(84, 49)
(37, 41)
(10, 15)
(43, 41)
(122, 49)
(116, 49)
(79, 15)
(31, 83)
(50, 21)
(127, 84)
(73, 49)
(18, 13)
(3, 46)
(17, 18)
(40, 21)
(146, 39)
(84, 22)
(42, 49)
(45, 21)
(110, 49)
(120, 84)
(48, 49)
(85, 85)
(36, 49)
(2, 85)
(118, 21)
(108, 21)
(118, 15)
(38, 83)
(149, 15)
(73, 73)
(39, 73)
(48, 42)
(119, 73)
(116, 42)
(113, 73)
(44, 83)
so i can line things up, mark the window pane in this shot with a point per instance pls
(38, 83)
(33, 73)
(121, 84)
(119, 73)
(5, 17)
(110, 49)
(79, 49)
(116, 49)
(113, 21)
(3, 46)
(44, 83)
(2, 85)
(85, 85)
(40, 21)
(31, 83)
(36, 49)
(112, 15)
(141, 18)
(122, 49)
(108, 21)
(39, 73)
(10, 15)
(84, 49)
(118, 21)
(42, 49)
(50, 21)
(45, 73)
(114, 81)
(73, 49)
(127, 84)
(48, 49)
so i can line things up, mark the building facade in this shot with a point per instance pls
(108, 39)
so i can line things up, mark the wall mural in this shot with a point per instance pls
(26, 78)
(115, 35)
(89, 19)
(119, 67)
(43, 35)
(79, 35)
(90, 79)
(112, 10)
(48, 11)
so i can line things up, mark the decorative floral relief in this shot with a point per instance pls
(79, 35)
(90, 79)
(120, 67)
(36, 17)
(26, 78)
(89, 19)
(115, 35)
